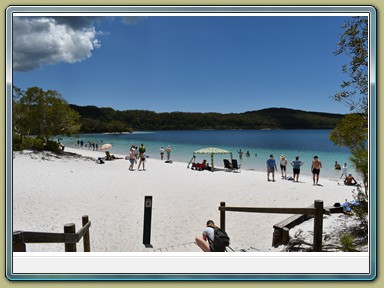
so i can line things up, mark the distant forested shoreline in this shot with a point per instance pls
(100, 120)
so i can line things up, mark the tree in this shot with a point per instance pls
(42, 113)
(352, 131)
(354, 43)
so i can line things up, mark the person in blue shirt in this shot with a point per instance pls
(271, 167)
(296, 168)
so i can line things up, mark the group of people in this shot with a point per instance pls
(296, 164)
(90, 145)
(167, 150)
(247, 154)
(349, 180)
(137, 154)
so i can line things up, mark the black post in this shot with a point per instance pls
(86, 240)
(147, 221)
(70, 228)
(222, 216)
(318, 226)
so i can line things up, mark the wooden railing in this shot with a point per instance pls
(69, 237)
(317, 211)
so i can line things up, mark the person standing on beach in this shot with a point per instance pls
(316, 166)
(344, 171)
(271, 167)
(240, 154)
(136, 153)
(296, 168)
(161, 152)
(141, 156)
(168, 152)
(283, 167)
(132, 158)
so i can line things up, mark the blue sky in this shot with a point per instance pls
(191, 64)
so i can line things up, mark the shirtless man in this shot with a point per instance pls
(316, 165)
(350, 181)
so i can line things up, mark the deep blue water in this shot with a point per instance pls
(260, 143)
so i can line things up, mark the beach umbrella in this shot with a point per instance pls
(212, 151)
(106, 146)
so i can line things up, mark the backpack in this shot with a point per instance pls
(220, 240)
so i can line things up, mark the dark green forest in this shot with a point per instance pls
(97, 120)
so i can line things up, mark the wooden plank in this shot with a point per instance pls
(310, 211)
(292, 221)
(83, 230)
(45, 237)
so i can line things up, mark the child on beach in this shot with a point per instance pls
(161, 153)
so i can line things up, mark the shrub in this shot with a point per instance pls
(31, 144)
(52, 146)
(346, 242)
(38, 144)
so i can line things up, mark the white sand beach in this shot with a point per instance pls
(50, 191)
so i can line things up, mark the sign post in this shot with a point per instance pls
(147, 221)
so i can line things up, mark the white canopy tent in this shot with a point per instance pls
(211, 151)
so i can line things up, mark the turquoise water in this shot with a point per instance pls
(260, 144)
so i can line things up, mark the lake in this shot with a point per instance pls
(260, 144)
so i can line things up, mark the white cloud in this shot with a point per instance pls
(41, 41)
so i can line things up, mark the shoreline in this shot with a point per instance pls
(51, 191)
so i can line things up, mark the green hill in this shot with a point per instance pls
(98, 120)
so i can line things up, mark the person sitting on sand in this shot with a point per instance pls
(205, 241)
(350, 181)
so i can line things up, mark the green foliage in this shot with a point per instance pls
(354, 43)
(346, 242)
(359, 159)
(351, 131)
(36, 144)
(42, 113)
(97, 120)
(52, 146)
(360, 210)
(28, 143)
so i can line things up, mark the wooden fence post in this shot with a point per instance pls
(222, 216)
(70, 228)
(285, 235)
(86, 241)
(16, 245)
(318, 226)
